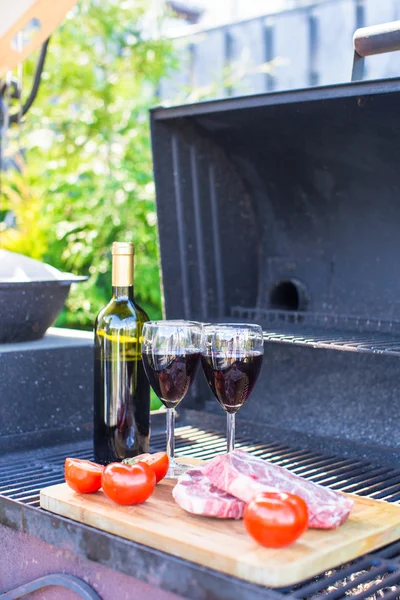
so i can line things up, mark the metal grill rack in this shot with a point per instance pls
(318, 330)
(372, 576)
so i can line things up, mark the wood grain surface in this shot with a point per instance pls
(223, 544)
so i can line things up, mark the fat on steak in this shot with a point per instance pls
(196, 494)
(243, 475)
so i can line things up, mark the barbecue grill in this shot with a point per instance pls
(286, 208)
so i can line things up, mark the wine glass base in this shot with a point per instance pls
(176, 469)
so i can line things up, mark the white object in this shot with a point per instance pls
(16, 268)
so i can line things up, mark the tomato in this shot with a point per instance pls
(83, 476)
(157, 462)
(128, 484)
(276, 519)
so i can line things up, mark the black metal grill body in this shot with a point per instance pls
(286, 211)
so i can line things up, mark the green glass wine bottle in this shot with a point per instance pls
(121, 388)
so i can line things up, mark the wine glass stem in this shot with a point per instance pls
(230, 431)
(171, 433)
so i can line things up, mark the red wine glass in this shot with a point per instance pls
(171, 358)
(231, 357)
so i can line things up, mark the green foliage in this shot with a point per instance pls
(87, 177)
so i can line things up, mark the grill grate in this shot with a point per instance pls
(338, 332)
(375, 575)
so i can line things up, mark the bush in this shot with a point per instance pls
(86, 178)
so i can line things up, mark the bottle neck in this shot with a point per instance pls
(122, 292)
(122, 276)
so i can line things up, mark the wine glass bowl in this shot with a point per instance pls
(171, 358)
(232, 355)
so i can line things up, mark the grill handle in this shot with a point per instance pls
(368, 41)
(377, 39)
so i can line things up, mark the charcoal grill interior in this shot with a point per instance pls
(285, 203)
(318, 330)
(286, 212)
(372, 576)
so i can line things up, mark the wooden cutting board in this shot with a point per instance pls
(223, 544)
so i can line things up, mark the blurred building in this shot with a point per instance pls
(237, 47)
(220, 12)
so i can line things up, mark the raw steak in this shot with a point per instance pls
(244, 475)
(195, 493)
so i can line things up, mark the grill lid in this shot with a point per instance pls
(283, 201)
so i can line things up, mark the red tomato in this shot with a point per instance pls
(276, 519)
(83, 476)
(157, 462)
(128, 484)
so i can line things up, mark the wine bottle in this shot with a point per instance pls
(121, 388)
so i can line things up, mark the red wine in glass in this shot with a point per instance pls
(171, 358)
(171, 376)
(232, 378)
(231, 357)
